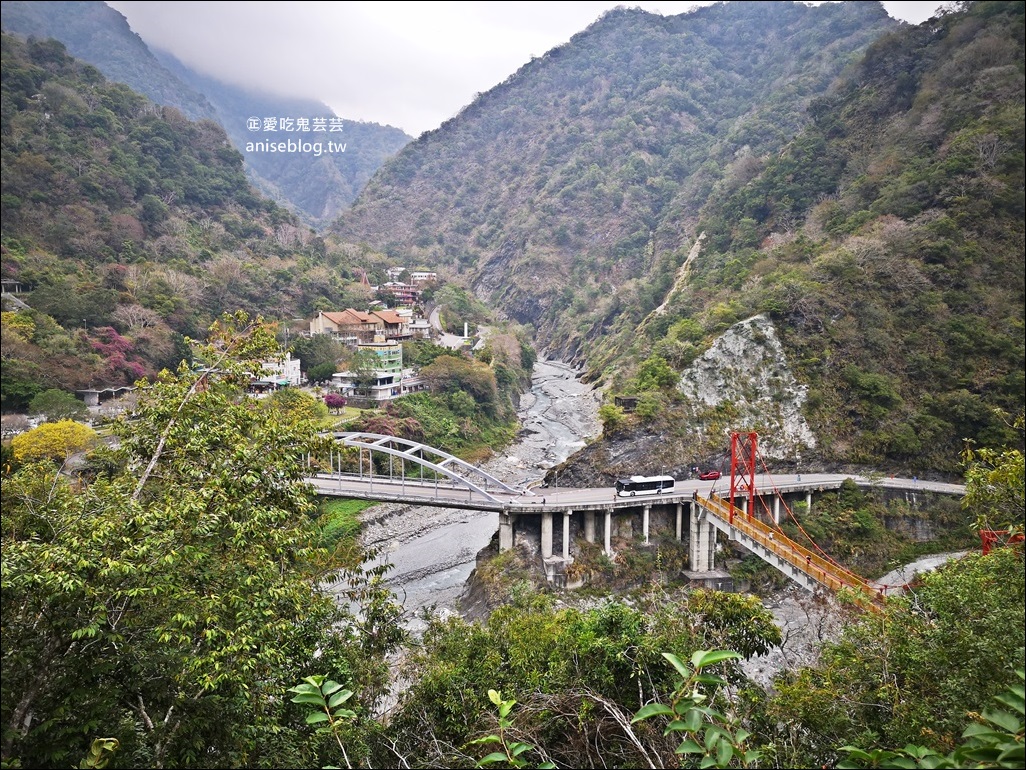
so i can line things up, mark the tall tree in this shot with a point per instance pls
(169, 602)
(56, 405)
(995, 485)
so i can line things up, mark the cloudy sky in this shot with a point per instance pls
(406, 64)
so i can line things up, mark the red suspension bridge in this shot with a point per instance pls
(749, 513)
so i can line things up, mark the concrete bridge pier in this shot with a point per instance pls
(546, 535)
(567, 514)
(608, 533)
(555, 565)
(505, 531)
(644, 521)
(776, 509)
(589, 526)
(701, 554)
(680, 516)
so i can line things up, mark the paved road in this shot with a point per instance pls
(446, 340)
(557, 498)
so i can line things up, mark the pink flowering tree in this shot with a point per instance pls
(335, 402)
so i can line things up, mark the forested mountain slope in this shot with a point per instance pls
(96, 33)
(130, 226)
(886, 245)
(878, 222)
(316, 186)
(548, 190)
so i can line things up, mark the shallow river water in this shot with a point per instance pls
(433, 550)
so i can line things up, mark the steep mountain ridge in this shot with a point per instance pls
(316, 186)
(582, 170)
(94, 32)
(858, 182)
(127, 226)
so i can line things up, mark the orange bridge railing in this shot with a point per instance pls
(823, 571)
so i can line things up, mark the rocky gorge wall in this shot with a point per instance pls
(742, 383)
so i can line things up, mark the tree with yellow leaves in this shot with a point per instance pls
(53, 441)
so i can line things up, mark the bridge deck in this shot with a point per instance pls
(761, 537)
(447, 495)
(805, 566)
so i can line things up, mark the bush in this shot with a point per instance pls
(56, 405)
(612, 417)
(53, 441)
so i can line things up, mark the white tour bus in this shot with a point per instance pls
(643, 485)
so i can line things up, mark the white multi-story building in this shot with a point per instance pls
(387, 381)
(416, 276)
(283, 372)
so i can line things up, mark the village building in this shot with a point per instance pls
(387, 380)
(423, 276)
(420, 329)
(277, 374)
(417, 277)
(93, 397)
(403, 294)
(353, 327)
(349, 326)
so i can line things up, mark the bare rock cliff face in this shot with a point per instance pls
(746, 371)
(742, 383)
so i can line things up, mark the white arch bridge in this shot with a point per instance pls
(745, 507)
(413, 469)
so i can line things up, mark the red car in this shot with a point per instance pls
(709, 475)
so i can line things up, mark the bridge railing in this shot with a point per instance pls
(444, 465)
(812, 564)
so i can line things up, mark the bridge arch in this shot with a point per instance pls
(460, 473)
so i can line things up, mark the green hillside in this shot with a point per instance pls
(876, 219)
(886, 244)
(130, 226)
(316, 186)
(96, 33)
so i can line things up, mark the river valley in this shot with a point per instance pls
(433, 550)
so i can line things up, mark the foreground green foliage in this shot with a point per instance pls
(512, 752)
(168, 601)
(994, 741)
(995, 483)
(328, 697)
(581, 675)
(707, 733)
(910, 675)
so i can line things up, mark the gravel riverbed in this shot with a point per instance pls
(433, 550)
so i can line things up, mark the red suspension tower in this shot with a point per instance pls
(743, 448)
